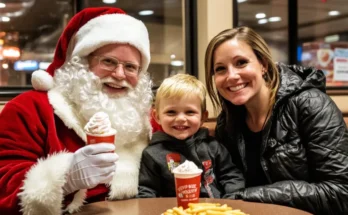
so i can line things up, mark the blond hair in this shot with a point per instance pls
(179, 86)
(260, 49)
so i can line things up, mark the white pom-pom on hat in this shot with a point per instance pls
(42, 80)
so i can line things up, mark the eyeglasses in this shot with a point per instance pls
(110, 64)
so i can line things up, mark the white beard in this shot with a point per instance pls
(128, 114)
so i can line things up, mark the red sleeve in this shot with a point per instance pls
(22, 136)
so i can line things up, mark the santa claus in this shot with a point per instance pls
(100, 64)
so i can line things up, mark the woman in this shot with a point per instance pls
(282, 130)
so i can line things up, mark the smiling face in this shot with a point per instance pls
(238, 73)
(180, 118)
(118, 81)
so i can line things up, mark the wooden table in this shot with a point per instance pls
(156, 206)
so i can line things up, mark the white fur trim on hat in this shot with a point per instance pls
(41, 80)
(113, 28)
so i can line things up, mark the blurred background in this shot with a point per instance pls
(307, 32)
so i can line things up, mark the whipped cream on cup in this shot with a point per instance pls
(187, 183)
(99, 124)
(188, 167)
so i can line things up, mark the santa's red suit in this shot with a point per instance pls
(41, 124)
(40, 130)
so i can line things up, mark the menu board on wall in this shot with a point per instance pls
(331, 58)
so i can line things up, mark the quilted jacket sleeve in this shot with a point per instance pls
(228, 175)
(149, 180)
(325, 135)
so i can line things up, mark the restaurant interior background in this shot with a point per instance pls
(307, 32)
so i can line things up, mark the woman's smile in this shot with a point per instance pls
(237, 88)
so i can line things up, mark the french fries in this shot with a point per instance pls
(204, 209)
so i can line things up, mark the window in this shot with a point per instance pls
(29, 35)
(29, 30)
(269, 18)
(323, 38)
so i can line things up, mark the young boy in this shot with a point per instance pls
(180, 109)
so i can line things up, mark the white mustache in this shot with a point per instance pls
(111, 80)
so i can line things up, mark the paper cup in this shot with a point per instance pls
(101, 138)
(187, 187)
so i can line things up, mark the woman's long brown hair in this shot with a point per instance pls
(260, 49)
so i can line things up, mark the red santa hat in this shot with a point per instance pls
(89, 30)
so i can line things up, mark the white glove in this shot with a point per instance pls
(91, 165)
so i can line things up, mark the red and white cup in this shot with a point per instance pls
(187, 187)
(101, 138)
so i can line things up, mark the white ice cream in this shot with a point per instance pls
(188, 167)
(98, 124)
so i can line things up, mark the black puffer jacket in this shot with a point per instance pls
(220, 177)
(304, 147)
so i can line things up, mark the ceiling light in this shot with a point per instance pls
(4, 19)
(145, 12)
(332, 38)
(5, 65)
(241, 1)
(262, 21)
(334, 13)
(274, 19)
(260, 15)
(177, 63)
(2, 5)
(109, 1)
